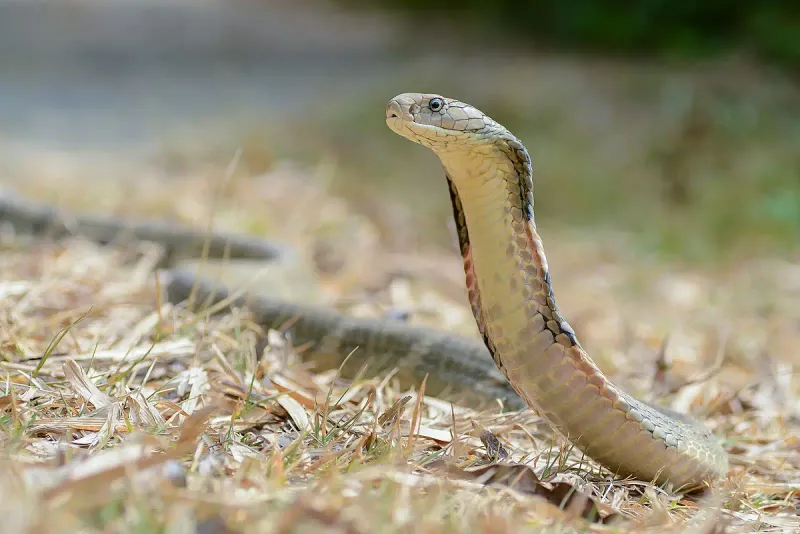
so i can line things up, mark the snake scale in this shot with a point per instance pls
(532, 353)
(491, 187)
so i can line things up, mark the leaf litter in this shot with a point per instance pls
(122, 413)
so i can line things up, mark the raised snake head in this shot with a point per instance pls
(439, 123)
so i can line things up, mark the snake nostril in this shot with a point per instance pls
(393, 115)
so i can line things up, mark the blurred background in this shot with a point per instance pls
(674, 124)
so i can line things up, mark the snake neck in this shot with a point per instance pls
(507, 277)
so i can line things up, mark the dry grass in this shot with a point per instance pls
(122, 413)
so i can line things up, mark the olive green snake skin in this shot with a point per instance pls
(491, 187)
(532, 351)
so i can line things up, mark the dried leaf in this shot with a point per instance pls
(84, 387)
(147, 414)
(390, 416)
(296, 411)
(521, 478)
(494, 449)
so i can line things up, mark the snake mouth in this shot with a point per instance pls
(394, 110)
(401, 117)
(398, 117)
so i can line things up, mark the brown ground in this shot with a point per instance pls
(104, 414)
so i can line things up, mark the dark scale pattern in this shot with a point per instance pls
(521, 194)
(538, 289)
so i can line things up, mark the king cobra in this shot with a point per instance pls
(534, 348)
(489, 174)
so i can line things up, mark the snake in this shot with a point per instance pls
(528, 356)
(490, 178)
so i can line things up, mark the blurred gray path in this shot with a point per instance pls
(102, 74)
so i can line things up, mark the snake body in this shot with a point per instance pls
(489, 174)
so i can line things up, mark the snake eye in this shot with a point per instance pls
(435, 104)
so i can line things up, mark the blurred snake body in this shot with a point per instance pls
(489, 174)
